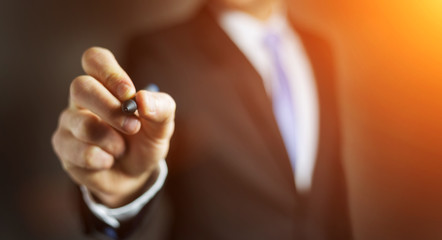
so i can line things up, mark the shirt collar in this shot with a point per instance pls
(238, 24)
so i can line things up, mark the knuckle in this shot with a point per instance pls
(55, 141)
(66, 166)
(83, 125)
(79, 86)
(63, 118)
(113, 79)
(88, 156)
(58, 141)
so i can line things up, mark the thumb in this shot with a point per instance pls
(157, 112)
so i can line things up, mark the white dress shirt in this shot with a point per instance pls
(248, 34)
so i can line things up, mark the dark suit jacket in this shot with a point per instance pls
(229, 173)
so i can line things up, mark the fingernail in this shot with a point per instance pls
(125, 91)
(131, 125)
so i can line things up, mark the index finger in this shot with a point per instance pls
(101, 64)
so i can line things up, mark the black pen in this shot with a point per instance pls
(130, 106)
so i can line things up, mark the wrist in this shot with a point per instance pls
(139, 186)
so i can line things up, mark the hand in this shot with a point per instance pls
(111, 153)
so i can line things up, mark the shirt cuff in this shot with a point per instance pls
(112, 216)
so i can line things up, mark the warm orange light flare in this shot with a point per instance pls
(389, 63)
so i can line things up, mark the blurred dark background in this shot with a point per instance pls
(41, 43)
(388, 62)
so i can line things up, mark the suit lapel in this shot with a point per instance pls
(327, 205)
(248, 85)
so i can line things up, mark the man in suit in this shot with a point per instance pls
(255, 153)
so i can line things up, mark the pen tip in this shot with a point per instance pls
(129, 106)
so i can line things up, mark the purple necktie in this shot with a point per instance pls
(283, 107)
